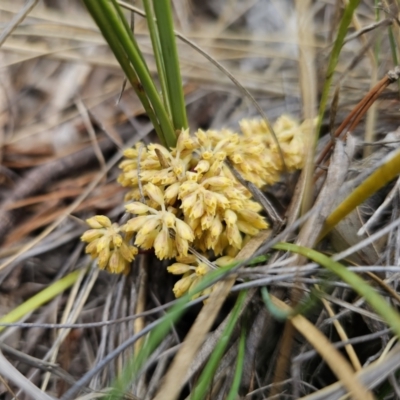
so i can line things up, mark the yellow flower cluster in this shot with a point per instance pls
(108, 246)
(193, 199)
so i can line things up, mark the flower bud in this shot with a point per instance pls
(230, 217)
(136, 208)
(183, 285)
(202, 167)
(162, 245)
(184, 230)
(171, 193)
(99, 221)
(135, 224)
(104, 257)
(223, 261)
(169, 219)
(154, 193)
(179, 268)
(202, 269)
(117, 240)
(117, 263)
(91, 235)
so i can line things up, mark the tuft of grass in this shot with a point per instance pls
(167, 113)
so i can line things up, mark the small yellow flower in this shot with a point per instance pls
(183, 285)
(152, 229)
(117, 263)
(155, 193)
(105, 243)
(162, 244)
(129, 166)
(137, 207)
(223, 261)
(192, 274)
(193, 270)
(91, 234)
(99, 221)
(179, 268)
(171, 193)
(202, 269)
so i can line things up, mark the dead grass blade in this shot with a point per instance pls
(8, 371)
(53, 210)
(338, 364)
(389, 169)
(17, 20)
(370, 376)
(68, 210)
(343, 336)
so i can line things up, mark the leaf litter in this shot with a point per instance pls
(59, 81)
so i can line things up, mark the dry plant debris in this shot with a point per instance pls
(54, 60)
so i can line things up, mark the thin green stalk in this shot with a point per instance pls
(207, 375)
(40, 298)
(334, 57)
(233, 392)
(106, 29)
(129, 31)
(275, 311)
(134, 55)
(282, 315)
(123, 42)
(393, 48)
(376, 301)
(155, 42)
(163, 13)
(378, 36)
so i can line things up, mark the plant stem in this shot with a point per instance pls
(94, 7)
(163, 12)
(155, 42)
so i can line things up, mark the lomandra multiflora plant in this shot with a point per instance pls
(188, 196)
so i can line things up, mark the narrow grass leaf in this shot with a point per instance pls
(175, 376)
(108, 16)
(158, 55)
(275, 311)
(106, 28)
(207, 376)
(359, 285)
(334, 56)
(393, 48)
(301, 308)
(384, 174)
(233, 392)
(333, 358)
(133, 53)
(129, 31)
(40, 298)
(165, 25)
